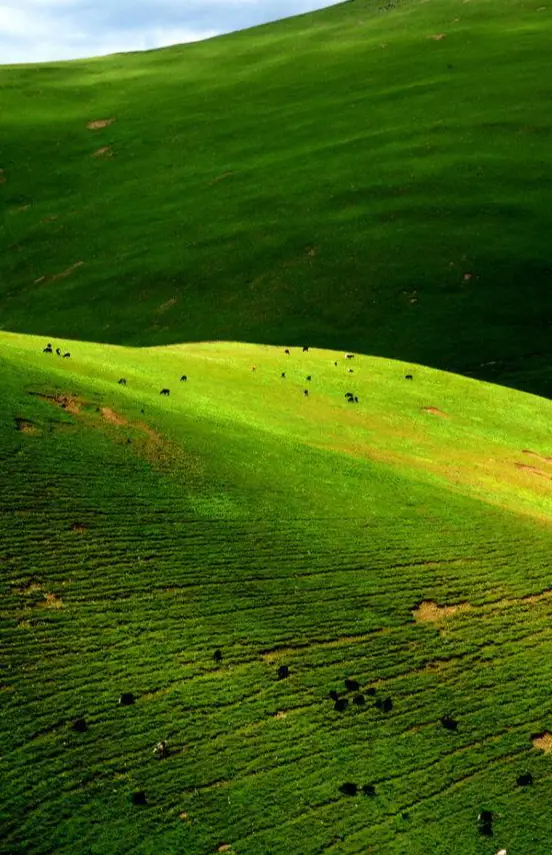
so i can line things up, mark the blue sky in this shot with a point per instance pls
(42, 30)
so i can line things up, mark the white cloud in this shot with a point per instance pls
(43, 30)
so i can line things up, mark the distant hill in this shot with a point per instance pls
(370, 177)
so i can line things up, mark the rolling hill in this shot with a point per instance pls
(371, 176)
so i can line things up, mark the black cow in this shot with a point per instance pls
(359, 700)
(48, 349)
(122, 382)
(351, 371)
(385, 705)
(525, 780)
(356, 400)
(349, 395)
(286, 351)
(80, 726)
(283, 672)
(66, 355)
(351, 685)
(309, 377)
(341, 704)
(370, 692)
(183, 378)
(351, 400)
(305, 349)
(485, 820)
(161, 750)
(333, 695)
(126, 699)
(217, 655)
(348, 789)
(58, 351)
(139, 798)
(449, 723)
(335, 363)
(306, 393)
(283, 374)
(408, 377)
(165, 392)
(369, 790)
(350, 356)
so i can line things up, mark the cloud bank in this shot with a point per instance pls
(44, 30)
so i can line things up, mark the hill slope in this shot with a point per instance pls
(140, 533)
(363, 177)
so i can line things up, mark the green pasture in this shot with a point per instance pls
(139, 533)
(372, 176)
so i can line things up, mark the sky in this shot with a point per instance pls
(44, 30)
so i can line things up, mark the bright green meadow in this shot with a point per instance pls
(367, 180)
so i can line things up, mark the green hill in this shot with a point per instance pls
(139, 533)
(368, 177)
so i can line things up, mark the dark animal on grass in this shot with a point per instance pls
(286, 352)
(183, 378)
(217, 655)
(122, 382)
(485, 821)
(351, 685)
(126, 699)
(370, 692)
(283, 374)
(333, 695)
(408, 377)
(349, 395)
(385, 705)
(80, 726)
(306, 393)
(165, 392)
(341, 704)
(58, 351)
(161, 750)
(525, 780)
(305, 349)
(350, 356)
(66, 355)
(283, 672)
(48, 349)
(348, 789)
(253, 368)
(335, 363)
(356, 400)
(359, 700)
(309, 377)
(369, 790)
(449, 723)
(351, 400)
(139, 798)
(351, 371)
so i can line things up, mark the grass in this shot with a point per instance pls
(282, 530)
(343, 179)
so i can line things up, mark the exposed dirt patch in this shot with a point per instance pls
(99, 123)
(536, 455)
(184, 816)
(542, 741)
(430, 612)
(224, 847)
(79, 527)
(435, 412)
(153, 435)
(28, 588)
(51, 602)
(104, 151)
(280, 714)
(168, 304)
(26, 426)
(65, 273)
(438, 37)
(534, 470)
(112, 417)
(220, 178)
(2, 176)
(67, 402)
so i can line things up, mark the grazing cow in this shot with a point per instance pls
(351, 685)
(217, 655)
(139, 798)
(183, 378)
(485, 820)
(525, 780)
(341, 704)
(369, 790)
(48, 349)
(283, 672)
(80, 725)
(333, 695)
(165, 392)
(385, 705)
(253, 368)
(351, 371)
(286, 352)
(359, 700)
(283, 374)
(351, 400)
(309, 377)
(349, 395)
(305, 349)
(58, 351)
(348, 789)
(356, 400)
(335, 363)
(161, 750)
(408, 377)
(66, 355)
(449, 723)
(306, 393)
(370, 692)
(126, 699)
(122, 382)
(350, 356)
(485, 816)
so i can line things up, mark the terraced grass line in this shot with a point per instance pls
(368, 177)
(281, 530)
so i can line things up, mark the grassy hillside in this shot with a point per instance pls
(139, 533)
(368, 177)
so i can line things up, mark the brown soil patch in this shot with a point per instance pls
(220, 178)
(67, 402)
(533, 470)
(99, 123)
(438, 36)
(169, 303)
(65, 273)
(51, 602)
(435, 412)
(28, 588)
(184, 816)
(26, 426)
(80, 528)
(104, 151)
(2, 176)
(280, 714)
(153, 435)
(112, 417)
(537, 455)
(430, 612)
(542, 741)
(224, 847)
